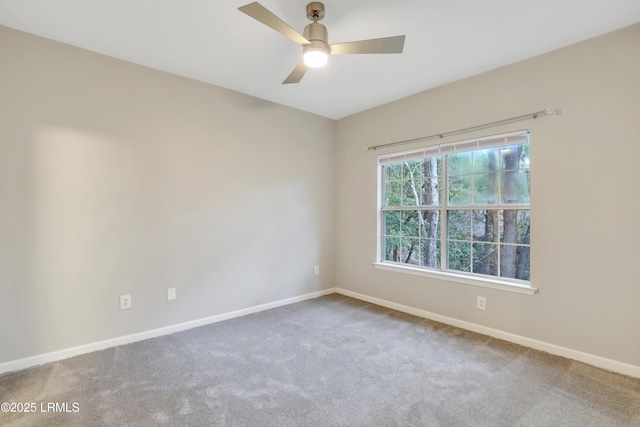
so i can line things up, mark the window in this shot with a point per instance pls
(460, 208)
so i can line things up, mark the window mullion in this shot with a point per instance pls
(443, 213)
(407, 208)
(498, 267)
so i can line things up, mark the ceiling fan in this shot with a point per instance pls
(314, 43)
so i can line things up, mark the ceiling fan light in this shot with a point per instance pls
(315, 58)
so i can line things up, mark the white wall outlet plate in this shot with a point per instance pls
(171, 294)
(125, 302)
(481, 303)
(316, 270)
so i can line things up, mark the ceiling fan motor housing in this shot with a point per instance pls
(317, 35)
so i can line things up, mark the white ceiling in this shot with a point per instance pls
(213, 42)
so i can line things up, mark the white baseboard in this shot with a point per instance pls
(16, 365)
(598, 361)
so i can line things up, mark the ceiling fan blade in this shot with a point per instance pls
(384, 45)
(296, 74)
(262, 14)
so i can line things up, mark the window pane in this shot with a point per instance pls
(411, 251)
(410, 225)
(508, 261)
(485, 258)
(430, 253)
(412, 183)
(486, 225)
(393, 194)
(524, 157)
(392, 223)
(401, 250)
(515, 187)
(392, 249)
(460, 190)
(432, 166)
(486, 189)
(459, 225)
(524, 226)
(431, 224)
(393, 172)
(509, 226)
(459, 256)
(517, 223)
(412, 192)
(459, 163)
(486, 160)
(431, 188)
(510, 157)
(523, 267)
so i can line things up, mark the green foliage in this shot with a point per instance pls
(459, 256)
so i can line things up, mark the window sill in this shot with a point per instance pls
(502, 285)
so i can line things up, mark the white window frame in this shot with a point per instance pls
(506, 284)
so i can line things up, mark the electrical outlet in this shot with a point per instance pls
(171, 294)
(125, 302)
(481, 303)
(316, 270)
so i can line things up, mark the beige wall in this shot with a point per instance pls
(117, 179)
(585, 196)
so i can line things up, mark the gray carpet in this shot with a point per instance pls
(332, 361)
